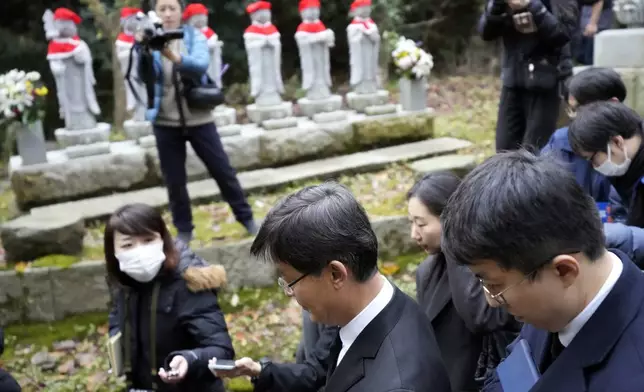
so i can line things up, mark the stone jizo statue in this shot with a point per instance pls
(264, 51)
(314, 41)
(135, 92)
(197, 15)
(364, 47)
(629, 12)
(70, 61)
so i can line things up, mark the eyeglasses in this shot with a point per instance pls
(498, 297)
(288, 287)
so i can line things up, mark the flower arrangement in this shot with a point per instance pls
(22, 96)
(411, 61)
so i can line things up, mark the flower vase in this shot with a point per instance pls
(413, 94)
(30, 139)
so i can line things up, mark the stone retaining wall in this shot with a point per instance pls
(131, 167)
(47, 294)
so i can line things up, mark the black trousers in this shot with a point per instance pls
(526, 118)
(8, 383)
(171, 145)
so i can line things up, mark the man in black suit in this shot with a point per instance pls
(525, 227)
(326, 252)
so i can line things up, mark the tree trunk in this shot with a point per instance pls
(118, 89)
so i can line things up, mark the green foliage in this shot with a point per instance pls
(60, 261)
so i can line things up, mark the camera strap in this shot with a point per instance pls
(128, 74)
(176, 80)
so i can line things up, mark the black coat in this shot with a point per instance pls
(551, 42)
(453, 299)
(396, 352)
(189, 322)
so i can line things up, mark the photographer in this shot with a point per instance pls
(536, 61)
(168, 66)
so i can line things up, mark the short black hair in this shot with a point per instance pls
(434, 190)
(520, 210)
(316, 225)
(597, 84)
(596, 123)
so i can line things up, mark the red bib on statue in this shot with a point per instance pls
(311, 27)
(61, 47)
(262, 30)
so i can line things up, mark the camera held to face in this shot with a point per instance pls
(151, 33)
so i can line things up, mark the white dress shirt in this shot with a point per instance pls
(571, 330)
(350, 332)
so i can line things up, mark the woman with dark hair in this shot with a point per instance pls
(165, 305)
(471, 334)
(176, 123)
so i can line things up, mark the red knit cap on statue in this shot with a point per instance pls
(304, 4)
(257, 6)
(360, 3)
(127, 12)
(67, 14)
(194, 9)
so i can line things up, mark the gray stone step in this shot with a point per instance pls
(459, 164)
(48, 294)
(264, 179)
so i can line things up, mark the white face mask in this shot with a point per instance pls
(143, 262)
(612, 169)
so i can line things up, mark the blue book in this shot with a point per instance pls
(517, 372)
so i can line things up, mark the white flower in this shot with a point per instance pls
(33, 76)
(405, 63)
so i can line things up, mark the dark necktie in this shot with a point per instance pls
(334, 352)
(555, 350)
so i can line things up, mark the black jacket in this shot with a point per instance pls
(453, 299)
(189, 322)
(551, 42)
(396, 352)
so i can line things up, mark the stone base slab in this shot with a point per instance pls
(229, 130)
(86, 150)
(329, 117)
(258, 114)
(619, 48)
(310, 107)
(377, 110)
(48, 294)
(137, 129)
(224, 116)
(279, 123)
(66, 138)
(295, 140)
(359, 102)
(148, 141)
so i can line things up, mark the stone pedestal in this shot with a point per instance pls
(310, 107)
(226, 121)
(619, 48)
(360, 102)
(85, 142)
(135, 130)
(259, 113)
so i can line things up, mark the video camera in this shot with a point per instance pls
(153, 36)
